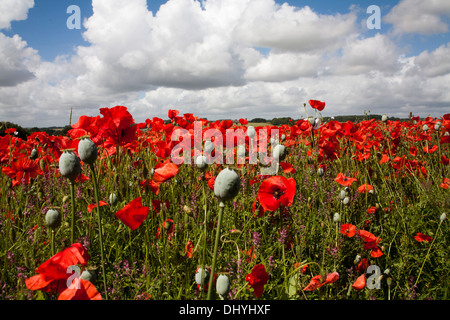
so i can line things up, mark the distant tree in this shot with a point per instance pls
(280, 121)
(258, 120)
(21, 132)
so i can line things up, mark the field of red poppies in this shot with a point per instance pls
(193, 209)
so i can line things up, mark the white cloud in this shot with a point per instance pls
(206, 58)
(16, 59)
(421, 17)
(11, 10)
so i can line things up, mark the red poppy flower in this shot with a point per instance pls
(164, 171)
(445, 183)
(189, 249)
(360, 283)
(316, 104)
(133, 214)
(243, 121)
(118, 125)
(365, 188)
(82, 290)
(372, 210)
(23, 168)
(94, 205)
(257, 279)
(316, 281)
(370, 243)
(343, 180)
(52, 274)
(276, 191)
(348, 229)
(422, 237)
(362, 265)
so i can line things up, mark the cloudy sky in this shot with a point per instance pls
(222, 58)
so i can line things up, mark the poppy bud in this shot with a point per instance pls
(201, 162)
(279, 152)
(320, 172)
(87, 151)
(443, 216)
(34, 154)
(336, 217)
(342, 194)
(425, 128)
(346, 200)
(384, 118)
(201, 276)
(437, 126)
(251, 131)
(69, 165)
(222, 284)
(283, 137)
(227, 184)
(53, 219)
(89, 275)
(112, 199)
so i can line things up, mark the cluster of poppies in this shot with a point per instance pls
(116, 135)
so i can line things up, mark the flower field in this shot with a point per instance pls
(109, 211)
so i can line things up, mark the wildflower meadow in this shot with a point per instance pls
(189, 209)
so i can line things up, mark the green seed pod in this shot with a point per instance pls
(69, 165)
(53, 218)
(251, 132)
(112, 199)
(89, 275)
(279, 152)
(201, 162)
(227, 184)
(320, 172)
(87, 151)
(34, 154)
(222, 284)
(346, 200)
(342, 194)
(198, 276)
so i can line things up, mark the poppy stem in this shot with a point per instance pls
(53, 242)
(211, 276)
(429, 249)
(100, 229)
(72, 199)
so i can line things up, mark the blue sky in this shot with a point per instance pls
(45, 29)
(150, 75)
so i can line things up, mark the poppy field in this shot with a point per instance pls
(349, 210)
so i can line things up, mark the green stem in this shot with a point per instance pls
(211, 276)
(72, 199)
(53, 242)
(100, 230)
(429, 249)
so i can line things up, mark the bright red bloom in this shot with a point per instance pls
(343, 180)
(276, 191)
(133, 214)
(23, 168)
(316, 281)
(348, 229)
(365, 188)
(360, 283)
(422, 237)
(243, 121)
(445, 183)
(94, 205)
(81, 290)
(316, 104)
(370, 243)
(189, 249)
(164, 171)
(118, 125)
(257, 279)
(52, 274)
